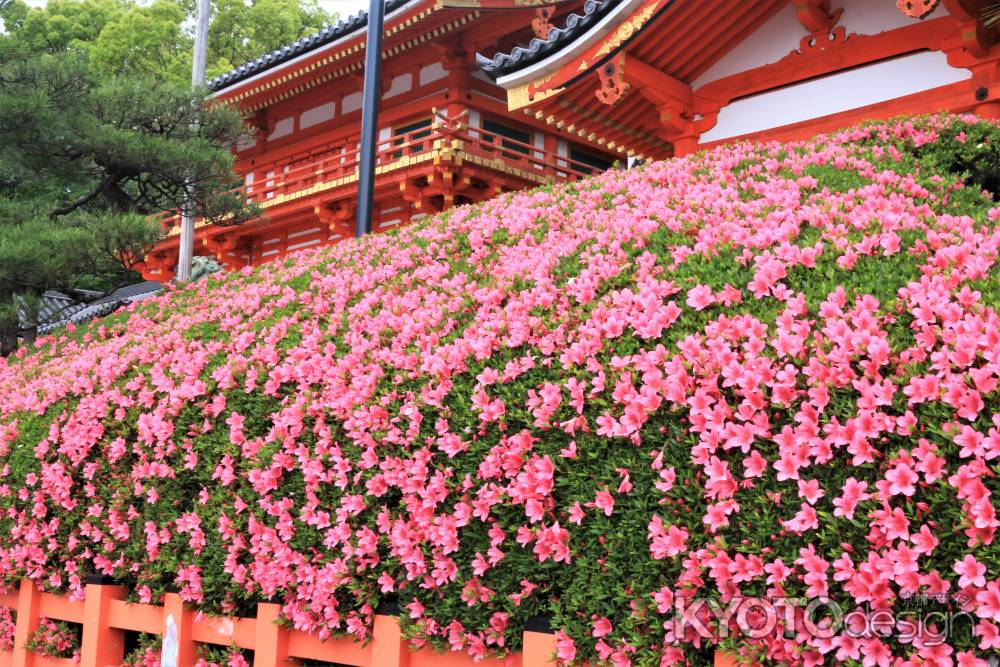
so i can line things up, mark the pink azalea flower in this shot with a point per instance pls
(972, 572)
(605, 501)
(601, 627)
(700, 297)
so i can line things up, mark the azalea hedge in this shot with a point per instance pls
(765, 371)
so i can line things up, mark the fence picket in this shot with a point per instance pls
(106, 616)
(173, 606)
(271, 640)
(102, 645)
(29, 605)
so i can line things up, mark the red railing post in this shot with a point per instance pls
(102, 645)
(270, 639)
(539, 649)
(724, 660)
(173, 606)
(29, 603)
(388, 646)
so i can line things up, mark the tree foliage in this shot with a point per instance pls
(85, 159)
(120, 37)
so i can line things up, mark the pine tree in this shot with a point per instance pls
(84, 162)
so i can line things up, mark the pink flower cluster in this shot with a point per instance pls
(8, 624)
(766, 370)
(55, 639)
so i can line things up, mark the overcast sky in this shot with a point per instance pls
(343, 7)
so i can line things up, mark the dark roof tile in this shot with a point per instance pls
(538, 49)
(329, 34)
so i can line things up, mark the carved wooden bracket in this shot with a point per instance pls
(816, 43)
(541, 24)
(453, 55)
(224, 245)
(159, 266)
(337, 217)
(221, 245)
(613, 84)
(815, 15)
(918, 9)
(976, 37)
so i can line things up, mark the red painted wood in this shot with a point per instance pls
(183, 618)
(270, 639)
(102, 645)
(726, 660)
(539, 650)
(29, 605)
(106, 616)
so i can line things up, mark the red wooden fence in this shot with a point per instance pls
(106, 616)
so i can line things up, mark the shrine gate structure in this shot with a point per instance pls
(575, 87)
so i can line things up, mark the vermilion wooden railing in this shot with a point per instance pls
(340, 161)
(106, 616)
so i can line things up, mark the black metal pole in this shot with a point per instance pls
(369, 117)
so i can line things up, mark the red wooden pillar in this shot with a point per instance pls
(388, 646)
(173, 606)
(102, 645)
(539, 649)
(29, 602)
(988, 111)
(270, 639)
(725, 660)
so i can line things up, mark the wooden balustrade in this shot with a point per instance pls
(106, 616)
(335, 163)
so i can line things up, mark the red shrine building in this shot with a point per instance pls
(575, 87)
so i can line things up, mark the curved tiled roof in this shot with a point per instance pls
(329, 34)
(538, 49)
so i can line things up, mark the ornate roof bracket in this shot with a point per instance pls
(673, 99)
(918, 9)
(337, 216)
(542, 24)
(976, 36)
(612, 76)
(815, 15)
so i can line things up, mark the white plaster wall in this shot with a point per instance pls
(432, 73)
(244, 142)
(303, 232)
(384, 135)
(474, 122)
(870, 17)
(351, 102)
(562, 150)
(298, 246)
(282, 128)
(317, 115)
(838, 92)
(781, 35)
(401, 84)
(769, 43)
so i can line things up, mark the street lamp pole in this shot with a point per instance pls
(197, 79)
(369, 118)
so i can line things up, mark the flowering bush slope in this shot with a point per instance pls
(760, 371)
